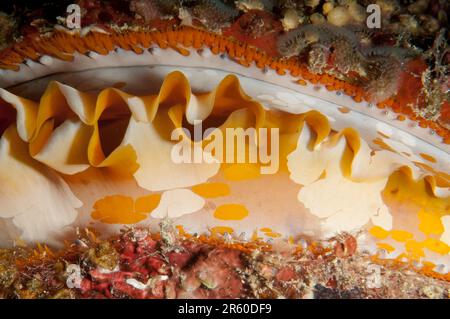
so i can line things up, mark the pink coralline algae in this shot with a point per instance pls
(147, 270)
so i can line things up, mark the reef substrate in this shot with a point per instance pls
(171, 264)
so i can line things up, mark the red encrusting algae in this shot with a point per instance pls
(141, 265)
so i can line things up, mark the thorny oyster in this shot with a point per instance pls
(348, 190)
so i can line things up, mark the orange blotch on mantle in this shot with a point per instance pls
(430, 223)
(119, 209)
(344, 110)
(241, 171)
(270, 233)
(211, 190)
(417, 195)
(379, 232)
(401, 235)
(436, 246)
(383, 145)
(385, 246)
(221, 230)
(414, 249)
(231, 212)
(428, 157)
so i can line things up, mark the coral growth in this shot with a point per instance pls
(138, 264)
(341, 51)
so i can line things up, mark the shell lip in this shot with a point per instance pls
(58, 52)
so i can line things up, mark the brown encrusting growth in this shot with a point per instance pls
(171, 264)
(7, 30)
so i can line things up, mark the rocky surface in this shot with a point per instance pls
(137, 264)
